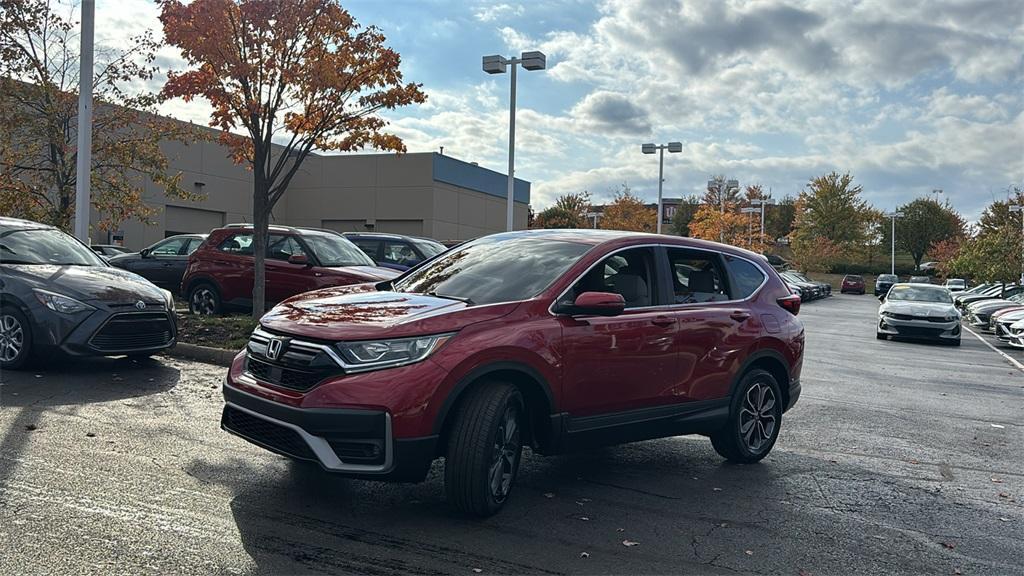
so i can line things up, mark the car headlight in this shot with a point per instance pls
(886, 314)
(60, 303)
(378, 354)
(168, 299)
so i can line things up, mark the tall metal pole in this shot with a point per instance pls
(83, 169)
(763, 206)
(661, 180)
(892, 268)
(511, 152)
(1022, 245)
(721, 199)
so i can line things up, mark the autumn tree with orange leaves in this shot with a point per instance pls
(292, 76)
(628, 212)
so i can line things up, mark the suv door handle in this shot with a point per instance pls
(739, 315)
(663, 321)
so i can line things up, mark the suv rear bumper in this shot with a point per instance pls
(352, 442)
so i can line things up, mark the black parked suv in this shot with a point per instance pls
(56, 294)
(395, 251)
(884, 282)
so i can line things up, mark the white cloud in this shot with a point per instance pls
(488, 12)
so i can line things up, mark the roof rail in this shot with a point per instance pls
(294, 229)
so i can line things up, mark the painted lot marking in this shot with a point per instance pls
(1008, 358)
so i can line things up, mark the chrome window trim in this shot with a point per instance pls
(665, 306)
(322, 449)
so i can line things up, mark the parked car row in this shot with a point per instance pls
(803, 286)
(996, 308)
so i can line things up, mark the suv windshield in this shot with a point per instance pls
(493, 270)
(334, 250)
(887, 278)
(44, 246)
(428, 248)
(919, 294)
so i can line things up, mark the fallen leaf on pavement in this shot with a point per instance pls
(803, 573)
(957, 572)
(998, 426)
(716, 489)
(31, 427)
(948, 545)
(748, 552)
(584, 518)
(1001, 494)
(584, 554)
(629, 543)
(477, 570)
(549, 495)
(90, 434)
(915, 462)
(997, 480)
(621, 530)
(1001, 519)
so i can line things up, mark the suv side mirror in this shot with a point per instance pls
(145, 253)
(300, 259)
(881, 298)
(598, 304)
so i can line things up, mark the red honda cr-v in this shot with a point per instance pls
(220, 272)
(553, 339)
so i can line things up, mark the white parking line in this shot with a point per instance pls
(1018, 365)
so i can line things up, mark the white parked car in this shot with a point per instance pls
(1016, 335)
(956, 284)
(919, 311)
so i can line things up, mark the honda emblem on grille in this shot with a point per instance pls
(140, 305)
(274, 347)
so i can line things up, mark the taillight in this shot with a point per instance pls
(791, 303)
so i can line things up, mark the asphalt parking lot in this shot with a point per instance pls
(899, 458)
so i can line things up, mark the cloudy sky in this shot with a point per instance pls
(907, 95)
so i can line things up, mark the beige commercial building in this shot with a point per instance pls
(419, 194)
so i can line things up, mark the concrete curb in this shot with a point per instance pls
(218, 356)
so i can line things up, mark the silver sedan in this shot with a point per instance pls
(918, 311)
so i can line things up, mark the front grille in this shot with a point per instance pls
(134, 331)
(298, 366)
(918, 332)
(260, 431)
(917, 318)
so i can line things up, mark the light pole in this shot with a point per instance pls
(496, 65)
(894, 216)
(649, 149)
(937, 191)
(1020, 208)
(722, 187)
(83, 169)
(751, 210)
(763, 203)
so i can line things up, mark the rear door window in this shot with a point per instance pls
(746, 277)
(169, 247)
(399, 253)
(697, 276)
(240, 244)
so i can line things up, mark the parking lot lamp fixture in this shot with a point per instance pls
(894, 216)
(649, 149)
(763, 203)
(496, 65)
(1020, 208)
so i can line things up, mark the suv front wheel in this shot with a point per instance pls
(485, 445)
(754, 419)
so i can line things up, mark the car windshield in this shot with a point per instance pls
(429, 248)
(494, 269)
(954, 282)
(919, 294)
(852, 278)
(887, 278)
(334, 250)
(44, 246)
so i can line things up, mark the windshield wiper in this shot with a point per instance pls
(467, 301)
(10, 261)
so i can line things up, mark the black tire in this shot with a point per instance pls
(15, 339)
(204, 300)
(954, 342)
(881, 336)
(478, 472)
(749, 435)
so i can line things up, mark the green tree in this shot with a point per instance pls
(997, 215)
(569, 211)
(778, 218)
(925, 222)
(628, 212)
(876, 230)
(685, 211)
(831, 208)
(990, 257)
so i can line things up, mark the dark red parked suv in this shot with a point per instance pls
(554, 339)
(220, 273)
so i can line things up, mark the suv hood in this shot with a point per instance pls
(363, 313)
(89, 283)
(929, 309)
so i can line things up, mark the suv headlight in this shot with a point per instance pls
(60, 303)
(377, 354)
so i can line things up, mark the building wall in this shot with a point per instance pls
(379, 192)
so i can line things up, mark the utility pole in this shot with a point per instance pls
(83, 169)
(894, 216)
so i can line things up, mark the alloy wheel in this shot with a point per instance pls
(12, 338)
(757, 417)
(505, 455)
(204, 302)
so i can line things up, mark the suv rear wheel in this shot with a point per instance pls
(484, 449)
(754, 419)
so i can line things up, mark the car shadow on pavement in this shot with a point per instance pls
(687, 510)
(85, 381)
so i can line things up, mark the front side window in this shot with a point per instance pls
(494, 269)
(697, 276)
(369, 247)
(170, 247)
(283, 247)
(44, 246)
(746, 276)
(629, 273)
(237, 244)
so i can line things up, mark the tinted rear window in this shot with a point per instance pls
(746, 276)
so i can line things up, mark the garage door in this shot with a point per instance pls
(345, 225)
(181, 220)
(407, 227)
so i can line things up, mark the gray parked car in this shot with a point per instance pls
(57, 295)
(162, 263)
